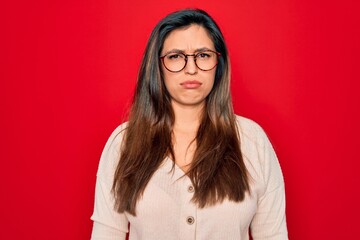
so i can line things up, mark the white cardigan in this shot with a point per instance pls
(165, 211)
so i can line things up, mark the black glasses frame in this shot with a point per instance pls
(191, 55)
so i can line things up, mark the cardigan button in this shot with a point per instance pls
(190, 189)
(190, 220)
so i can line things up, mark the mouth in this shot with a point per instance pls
(191, 84)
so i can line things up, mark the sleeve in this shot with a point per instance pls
(108, 224)
(269, 221)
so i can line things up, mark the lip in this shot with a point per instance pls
(191, 84)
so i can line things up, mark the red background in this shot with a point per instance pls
(68, 69)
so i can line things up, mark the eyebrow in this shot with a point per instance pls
(203, 49)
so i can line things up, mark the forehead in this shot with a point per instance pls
(188, 39)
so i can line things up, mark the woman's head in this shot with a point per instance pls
(152, 72)
(188, 66)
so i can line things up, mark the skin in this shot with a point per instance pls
(187, 98)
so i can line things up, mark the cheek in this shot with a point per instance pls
(211, 79)
(167, 80)
(167, 76)
(209, 87)
(171, 85)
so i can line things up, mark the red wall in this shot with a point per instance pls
(67, 73)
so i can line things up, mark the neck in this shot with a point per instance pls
(187, 118)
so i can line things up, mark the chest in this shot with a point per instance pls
(166, 206)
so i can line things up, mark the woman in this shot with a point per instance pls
(184, 166)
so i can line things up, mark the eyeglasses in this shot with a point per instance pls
(204, 60)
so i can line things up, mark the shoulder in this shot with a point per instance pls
(259, 155)
(115, 139)
(111, 153)
(250, 131)
(117, 135)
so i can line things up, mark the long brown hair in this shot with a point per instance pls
(217, 170)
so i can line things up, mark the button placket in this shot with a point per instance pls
(188, 212)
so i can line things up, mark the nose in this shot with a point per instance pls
(191, 67)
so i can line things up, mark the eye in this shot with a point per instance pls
(203, 55)
(175, 56)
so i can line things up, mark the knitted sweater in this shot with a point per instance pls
(165, 211)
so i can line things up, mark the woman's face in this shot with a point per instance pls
(190, 86)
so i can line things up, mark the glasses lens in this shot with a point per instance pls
(175, 61)
(206, 60)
